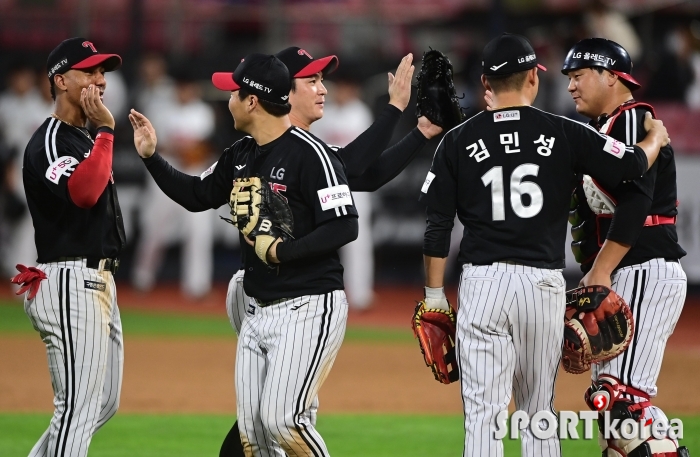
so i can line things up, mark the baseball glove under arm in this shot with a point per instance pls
(598, 326)
(436, 95)
(260, 214)
(435, 329)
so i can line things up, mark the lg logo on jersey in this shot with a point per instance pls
(279, 174)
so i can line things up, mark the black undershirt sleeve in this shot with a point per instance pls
(364, 150)
(327, 237)
(390, 163)
(436, 242)
(178, 186)
(630, 213)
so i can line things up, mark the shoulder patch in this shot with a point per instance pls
(333, 197)
(614, 147)
(62, 166)
(208, 171)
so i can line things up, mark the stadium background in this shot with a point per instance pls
(178, 394)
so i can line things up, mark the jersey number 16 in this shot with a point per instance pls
(518, 188)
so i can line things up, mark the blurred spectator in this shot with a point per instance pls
(602, 21)
(155, 91)
(115, 99)
(673, 73)
(183, 132)
(22, 110)
(345, 117)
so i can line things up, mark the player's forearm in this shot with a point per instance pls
(434, 271)
(326, 238)
(392, 162)
(609, 257)
(628, 221)
(178, 186)
(364, 150)
(88, 181)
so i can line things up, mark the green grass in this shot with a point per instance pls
(159, 324)
(346, 436)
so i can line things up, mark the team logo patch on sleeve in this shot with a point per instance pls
(614, 147)
(208, 171)
(428, 181)
(333, 197)
(61, 166)
(94, 285)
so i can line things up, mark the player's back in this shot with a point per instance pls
(509, 174)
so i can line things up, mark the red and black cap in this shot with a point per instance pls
(260, 74)
(509, 53)
(78, 53)
(302, 65)
(599, 52)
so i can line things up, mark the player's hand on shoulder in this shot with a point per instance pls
(400, 85)
(656, 127)
(488, 98)
(427, 128)
(96, 112)
(145, 139)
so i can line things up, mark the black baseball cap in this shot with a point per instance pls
(302, 65)
(260, 74)
(509, 53)
(78, 53)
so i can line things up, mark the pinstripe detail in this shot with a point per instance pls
(627, 127)
(68, 361)
(312, 373)
(637, 318)
(327, 164)
(632, 305)
(634, 126)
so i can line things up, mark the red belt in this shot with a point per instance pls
(655, 219)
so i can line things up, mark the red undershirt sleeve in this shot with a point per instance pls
(90, 177)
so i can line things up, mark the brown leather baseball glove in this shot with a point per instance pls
(436, 332)
(598, 326)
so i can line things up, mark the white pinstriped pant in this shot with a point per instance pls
(655, 291)
(510, 327)
(82, 331)
(285, 352)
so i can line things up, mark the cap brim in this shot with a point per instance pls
(325, 65)
(110, 62)
(541, 67)
(224, 81)
(627, 77)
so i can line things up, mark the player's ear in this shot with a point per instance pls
(60, 82)
(485, 83)
(252, 102)
(611, 78)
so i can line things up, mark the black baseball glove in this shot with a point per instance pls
(260, 213)
(437, 97)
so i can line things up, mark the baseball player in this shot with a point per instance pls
(297, 310)
(72, 199)
(507, 174)
(368, 164)
(625, 238)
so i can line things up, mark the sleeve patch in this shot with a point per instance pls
(62, 166)
(614, 147)
(333, 197)
(208, 171)
(428, 181)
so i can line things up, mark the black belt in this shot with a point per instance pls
(111, 265)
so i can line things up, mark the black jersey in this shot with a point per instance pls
(61, 228)
(509, 174)
(307, 173)
(626, 124)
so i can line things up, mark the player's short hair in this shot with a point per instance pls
(275, 109)
(53, 90)
(506, 83)
(294, 84)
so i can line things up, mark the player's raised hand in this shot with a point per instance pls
(96, 112)
(427, 128)
(400, 85)
(144, 134)
(656, 127)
